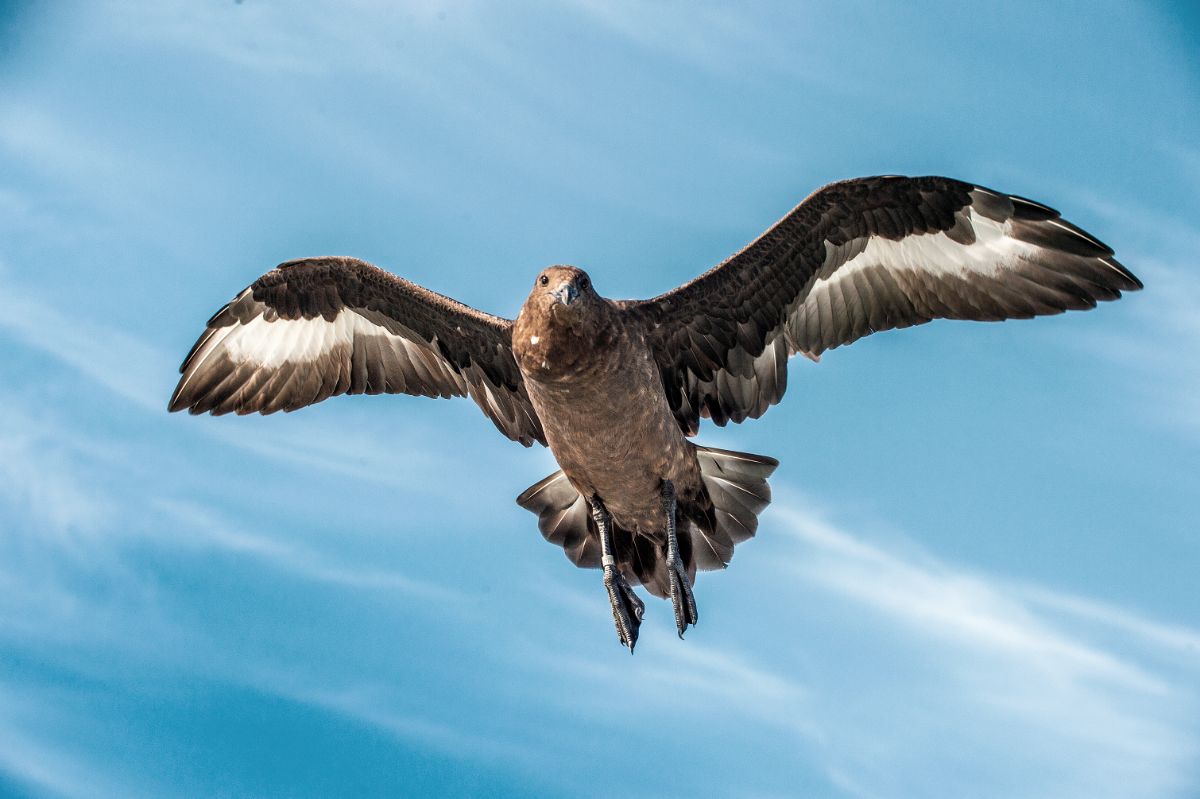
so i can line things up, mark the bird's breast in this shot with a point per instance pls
(612, 432)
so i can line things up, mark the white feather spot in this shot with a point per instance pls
(534, 339)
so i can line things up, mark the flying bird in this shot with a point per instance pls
(616, 388)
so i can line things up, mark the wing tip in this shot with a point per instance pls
(180, 398)
(1132, 281)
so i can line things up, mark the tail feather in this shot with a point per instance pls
(564, 518)
(735, 492)
(736, 483)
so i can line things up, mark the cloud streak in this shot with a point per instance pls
(195, 525)
(115, 360)
(29, 759)
(1008, 677)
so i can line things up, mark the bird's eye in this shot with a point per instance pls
(544, 280)
(584, 284)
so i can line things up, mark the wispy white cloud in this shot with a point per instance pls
(1162, 353)
(1169, 637)
(343, 448)
(42, 141)
(56, 518)
(270, 38)
(43, 765)
(714, 680)
(945, 602)
(1005, 680)
(97, 609)
(199, 526)
(40, 474)
(381, 706)
(115, 360)
(459, 70)
(76, 164)
(74, 506)
(79, 516)
(714, 37)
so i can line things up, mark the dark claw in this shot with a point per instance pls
(627, 609)
(682, 599)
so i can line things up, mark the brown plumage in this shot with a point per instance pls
(615, 388)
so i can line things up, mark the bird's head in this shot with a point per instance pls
(563, 295)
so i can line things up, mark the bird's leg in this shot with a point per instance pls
(627, 609)
(681, 590)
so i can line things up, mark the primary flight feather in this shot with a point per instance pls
(615, 388)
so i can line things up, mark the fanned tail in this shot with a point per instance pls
(564, 518)
(736, 484)
(726, 514)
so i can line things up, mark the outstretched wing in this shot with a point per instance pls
(857, 257)
(318, 327)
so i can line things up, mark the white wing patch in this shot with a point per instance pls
(271, 344)
(992, 252)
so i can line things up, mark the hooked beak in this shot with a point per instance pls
(565, 294)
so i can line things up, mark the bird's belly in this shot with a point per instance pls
(618, 443)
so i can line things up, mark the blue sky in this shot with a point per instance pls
(978, 577)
